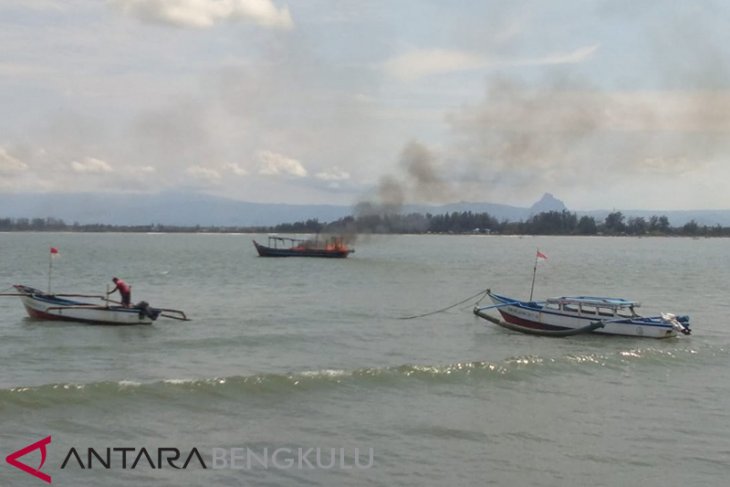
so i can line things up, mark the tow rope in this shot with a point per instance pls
(482, 293)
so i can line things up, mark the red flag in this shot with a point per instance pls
(54, 250)
(540, 255)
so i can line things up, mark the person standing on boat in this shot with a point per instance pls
(125, 290)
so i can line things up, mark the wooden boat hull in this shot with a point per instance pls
(48, 307)
(265, 251)
(534, 316)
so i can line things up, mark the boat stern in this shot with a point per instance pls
(680, 324)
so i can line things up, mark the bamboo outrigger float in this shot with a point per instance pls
(46, 306)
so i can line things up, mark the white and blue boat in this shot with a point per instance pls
(572, 315)
(46, 306)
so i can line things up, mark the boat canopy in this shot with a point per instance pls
(287, 239)
(595, 301)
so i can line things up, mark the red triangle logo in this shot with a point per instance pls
(12, 459)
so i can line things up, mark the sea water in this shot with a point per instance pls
(293, 369)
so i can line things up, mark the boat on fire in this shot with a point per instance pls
(572, 315)
(333, 247)
(45, 306)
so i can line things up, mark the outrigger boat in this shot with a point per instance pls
(46, 306)
(572, 315)
(333, 247)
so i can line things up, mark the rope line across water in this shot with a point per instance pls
(481, 293)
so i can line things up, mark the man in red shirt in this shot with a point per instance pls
(125, 290)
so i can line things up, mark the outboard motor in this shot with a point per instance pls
(680, 324)
(146, 310)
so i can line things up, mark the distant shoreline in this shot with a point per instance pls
(555, 223)
(364, 234)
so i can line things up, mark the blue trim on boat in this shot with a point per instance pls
(596, 300)
(53, 300)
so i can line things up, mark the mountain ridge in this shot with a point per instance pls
(190, 209)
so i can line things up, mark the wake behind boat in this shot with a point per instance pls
(45, 306)
(333, 247)
(571, 315)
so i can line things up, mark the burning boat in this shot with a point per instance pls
(333, 247)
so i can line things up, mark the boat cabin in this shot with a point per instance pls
(286, 242)
(593, 306)
(328, 244)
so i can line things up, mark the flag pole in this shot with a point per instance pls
(51, 252)
(50, 269)
(534, 272)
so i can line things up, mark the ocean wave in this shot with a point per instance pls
(513, 368)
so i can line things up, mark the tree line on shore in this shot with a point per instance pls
(546, 223)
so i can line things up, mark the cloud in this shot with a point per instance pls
(9, 164)
(333, 174)
(21, 69)
(143, 169)
(668, 165)
(203, 14)
(204, 174)
(91, 165)
(428, 62)
(38, 5)
(574, 57)
(273, 164)
(236, 169)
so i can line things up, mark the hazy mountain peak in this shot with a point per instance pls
(548, 202)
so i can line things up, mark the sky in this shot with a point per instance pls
(606, 104)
